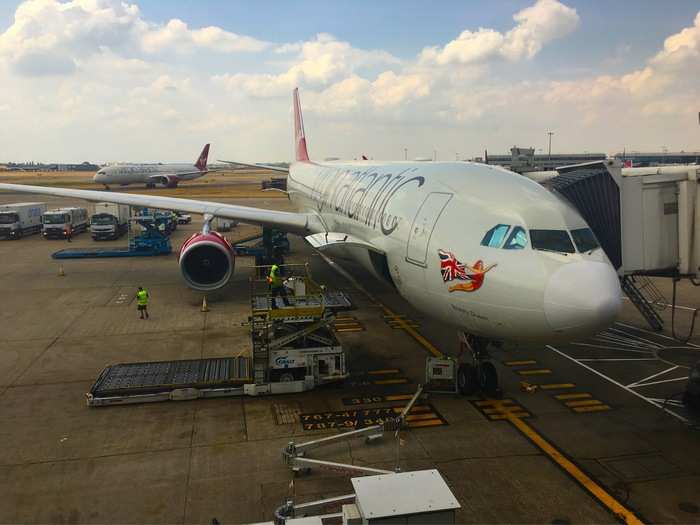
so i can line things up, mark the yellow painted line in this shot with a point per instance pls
(520, 363)
(414, 410)
(349, 329)
(584, 403)
(598, 492)
(536, 372)
(581, 395)
(420, 417)
(390, 381)
(557, 386)
(427, 423)
(596, 408)
(383, 372)
(402, 326)
(346, 323)
(494, 402)
(399, 397)
(503, 410)
(345, 318)
(412, 332)
(497, 417)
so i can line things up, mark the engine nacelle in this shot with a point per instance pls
(206, 261)
(168, 181)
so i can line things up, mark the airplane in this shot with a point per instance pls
(481, 248)
(167, 175)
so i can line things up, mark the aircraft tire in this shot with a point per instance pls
(488, 378)
(466, 379)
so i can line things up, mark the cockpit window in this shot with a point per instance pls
(552, 241)
(494, 237)
(584, 239)
(517, 240)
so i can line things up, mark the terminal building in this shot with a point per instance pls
(522, 160)
(641, 160)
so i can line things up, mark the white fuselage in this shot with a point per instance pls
(414, 212)
(125, 174)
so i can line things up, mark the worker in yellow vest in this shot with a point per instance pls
(276, 284)
(142, 302)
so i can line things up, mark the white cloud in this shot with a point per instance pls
(49, 37)
(317, 63)
(176, 35)
(537, 25)
(126, 88)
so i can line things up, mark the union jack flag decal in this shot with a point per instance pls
(451, 269)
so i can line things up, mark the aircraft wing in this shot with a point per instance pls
(300, 223)
(261, 166)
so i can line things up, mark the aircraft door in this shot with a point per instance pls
(423, 225)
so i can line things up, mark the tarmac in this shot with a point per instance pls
(600, 439)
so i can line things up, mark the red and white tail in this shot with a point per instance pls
(201, 163)
(299, 137)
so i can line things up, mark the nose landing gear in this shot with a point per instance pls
(478, 373)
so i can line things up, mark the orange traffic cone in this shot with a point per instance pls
(205, 307)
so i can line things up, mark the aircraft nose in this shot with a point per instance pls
(582, 298)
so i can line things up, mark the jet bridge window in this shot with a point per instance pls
(495, 236)
(552, 241)
(517, 240)
(584, 240)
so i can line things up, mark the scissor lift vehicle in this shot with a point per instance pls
(294, 349)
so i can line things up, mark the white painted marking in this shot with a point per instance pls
(611, 380)
(622, 359)
(666, 305)
(639, 385)
(652, 376)
(616, 349)
(654, 333)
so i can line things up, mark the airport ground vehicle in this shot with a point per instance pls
(21, 218)
(110, 221)
(183, 218)
(293, 349)
(60, 222)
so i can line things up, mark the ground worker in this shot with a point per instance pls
(69, 233)
(274, 280)
(142, 302)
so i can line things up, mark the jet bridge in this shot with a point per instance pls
(646, 219)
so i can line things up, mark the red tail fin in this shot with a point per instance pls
(299, 138)
(201, 163)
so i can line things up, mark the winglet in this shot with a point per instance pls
(299, 137)
(201, 163)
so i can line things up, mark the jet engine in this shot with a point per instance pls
(167, 181)
(206, 261)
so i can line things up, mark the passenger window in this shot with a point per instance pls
(494, 237)
(552, 241)
(517, 239)
(584, 239)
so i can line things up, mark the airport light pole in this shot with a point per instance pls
(549, 154)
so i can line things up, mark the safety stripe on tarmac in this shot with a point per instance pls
(557, 386)
(577, 395)
(512, 413)
(397, 381)
(520, 363)
(594, 408)
(386, 371)
(534, 372)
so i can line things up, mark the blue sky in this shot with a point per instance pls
(388, 69)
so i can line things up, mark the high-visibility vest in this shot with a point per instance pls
(142, 297)
(274, 278)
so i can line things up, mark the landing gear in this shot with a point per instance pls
(480, 373)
